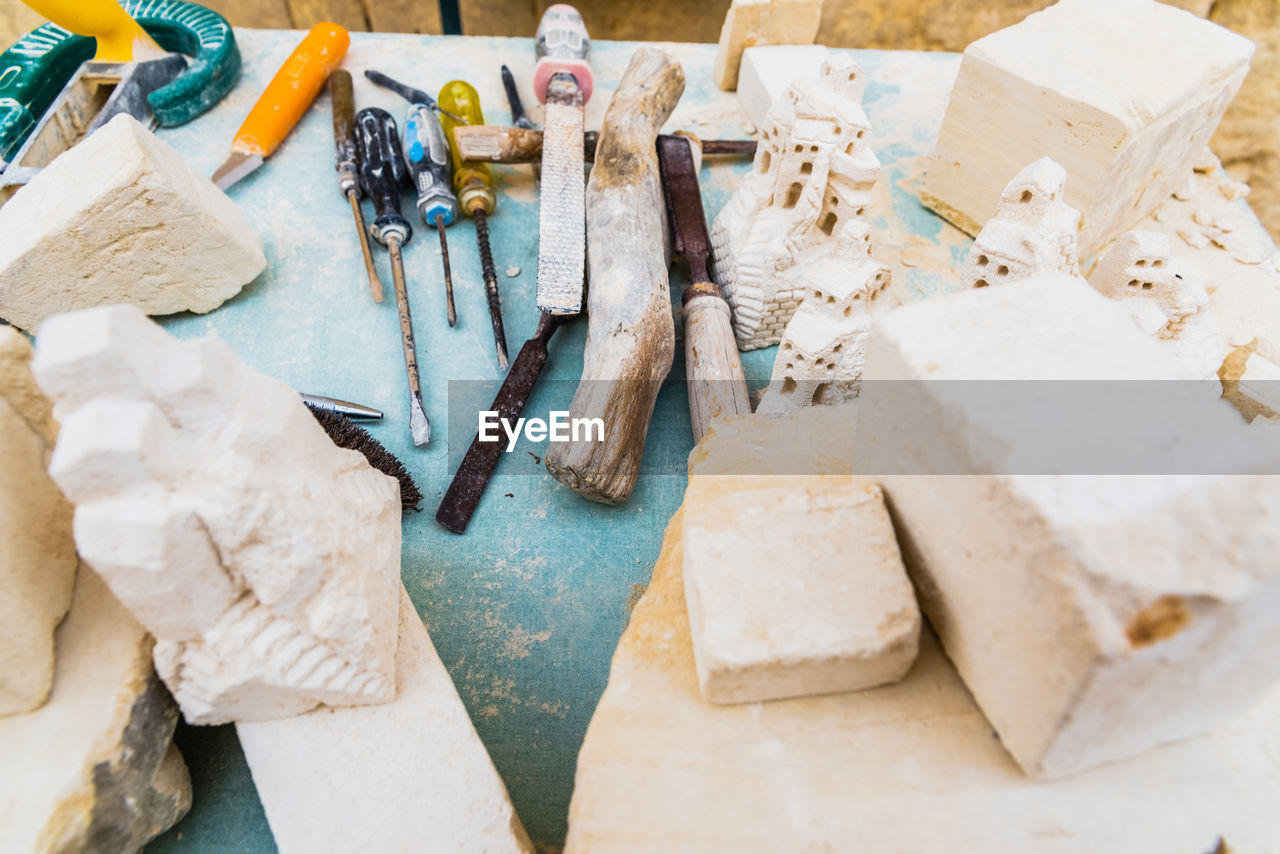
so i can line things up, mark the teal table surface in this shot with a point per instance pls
(527, 607)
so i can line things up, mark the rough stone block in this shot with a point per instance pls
(768, 70)
(910, 768)
(797, 590)
(122, 218)
(265, 559)
(409, 775)
(1092, 615)
(760, 22)
(94, 768)
(1126, 116)
(37, 553)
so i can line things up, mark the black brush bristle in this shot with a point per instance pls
(347, 434)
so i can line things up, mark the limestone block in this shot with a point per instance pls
(1033, 231)
(821, 355)
(94, 768)
(1162, 296)
(797, 590)
(1125, 116)
(149, 230)
(265, 560)
(813, 173)
(37, 554)
(910, 768)
(768, 70)
(760, 22)
(1098, 613)
(406, 776)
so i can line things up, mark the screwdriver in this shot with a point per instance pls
(344, 141)
(382, 171)
(427, 154)
(518, 116)
(473, 183)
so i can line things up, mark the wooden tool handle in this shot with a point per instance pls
(120, 38)
(714, 370)
(292, 90)
(630, 334)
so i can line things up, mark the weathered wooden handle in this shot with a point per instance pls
(630, 333)
(712, 367)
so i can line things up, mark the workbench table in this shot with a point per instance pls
(527, 607)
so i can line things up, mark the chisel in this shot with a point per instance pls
(426, 151)
(382, 171)
(473, 183)
(562, 48)
(283, 102)
(501, 144)
(347, 164)
(713, 369)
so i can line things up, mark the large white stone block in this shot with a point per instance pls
(797, 589)
(1123, 93)
(122, 218)
(909, 768)
(37, 554)
(1094, 614)
(265, 559)
(406, 776)
(767, 71)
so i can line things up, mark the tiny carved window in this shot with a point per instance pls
(848, 149)
(793, 194)
(806, 168)
(983, 260)
(764, 161)
(789, 386)
(981, 283)
(828, 223)
(1026, 195)
(1002, 270)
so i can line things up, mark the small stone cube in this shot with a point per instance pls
(797, 589)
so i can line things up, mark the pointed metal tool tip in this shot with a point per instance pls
(502, 360)
(419, 426)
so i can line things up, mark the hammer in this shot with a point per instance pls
(630, 333)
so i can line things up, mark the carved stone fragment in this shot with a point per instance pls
(265, 560)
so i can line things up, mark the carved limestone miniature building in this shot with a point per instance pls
(1033, 231)
(813, 173)
(820, 360)
(1140, 274)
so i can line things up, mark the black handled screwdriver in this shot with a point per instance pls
(382, 171)
(426, 152)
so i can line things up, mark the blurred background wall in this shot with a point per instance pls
(1248, 141)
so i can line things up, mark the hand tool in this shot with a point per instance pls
(346, 162)
(283, 102)
(410, 94)
(382, 171)
(54, 90)
(502, 144)
(474, 185)
(345, 434)
(427, 154)
(630, 333)
(344, 408)
(713, 369)
(518, 116)
(562, 80)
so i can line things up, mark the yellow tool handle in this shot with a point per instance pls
(292, 90)
(120, 38)
(473, 182)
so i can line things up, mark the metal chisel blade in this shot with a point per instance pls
(562, 219)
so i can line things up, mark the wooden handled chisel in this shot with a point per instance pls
(502, 144)
(283, 102)
(713, 370)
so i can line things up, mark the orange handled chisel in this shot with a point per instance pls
(283, 102)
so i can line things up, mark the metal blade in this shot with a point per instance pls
(562, 220)
(137, 83)
(354, 411)
(237, 165)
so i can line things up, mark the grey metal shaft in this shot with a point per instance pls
(375, 284)
(419, 426)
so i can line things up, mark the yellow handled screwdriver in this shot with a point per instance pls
(473, 184)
